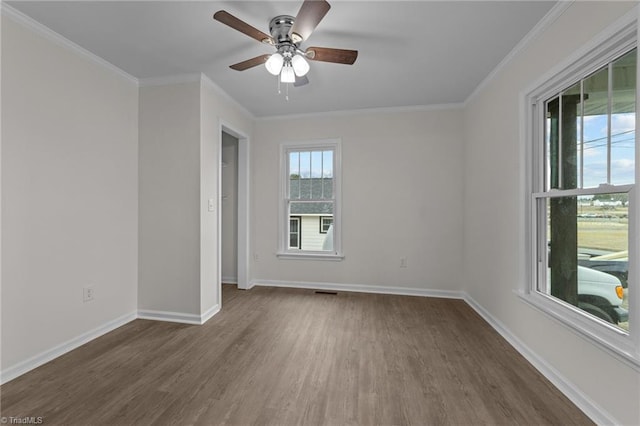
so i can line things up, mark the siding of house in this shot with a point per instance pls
(312, 239)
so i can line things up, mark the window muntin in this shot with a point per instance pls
(582, 206)
(310, 188)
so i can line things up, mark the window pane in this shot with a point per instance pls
(563, 139)
(311, 175)
(316, 164)
(325, 223)
(588, 254)
(596, 106)
(294, 232)
(294, 175)
(623, 119)
(294, 164)
(310, 214)
(327, 164)
(305, 164)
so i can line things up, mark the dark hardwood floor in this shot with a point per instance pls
(289, 357)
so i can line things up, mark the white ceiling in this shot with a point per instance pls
(410, 52)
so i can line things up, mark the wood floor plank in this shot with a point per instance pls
(276, 356)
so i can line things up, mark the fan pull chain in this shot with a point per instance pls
(286, 89)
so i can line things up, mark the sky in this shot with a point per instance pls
(315, 164)
(592, 160)
(622, 149)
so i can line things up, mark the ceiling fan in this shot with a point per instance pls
(287, 33)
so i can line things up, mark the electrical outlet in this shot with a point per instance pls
(403, 262)
(256, 258)
(87, 294)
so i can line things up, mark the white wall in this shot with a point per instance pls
(69, 195)
(217, 111)
(229, 231)
(180, 140)
(169, 198)
(494, 217)
(402, 197)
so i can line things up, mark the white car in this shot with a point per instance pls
(600, 294)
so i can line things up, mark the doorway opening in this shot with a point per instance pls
(229, 210)
(233, 208)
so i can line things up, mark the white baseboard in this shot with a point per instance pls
(180, 317)
(25, 366)
(229, 280)
(360, 288)
(19, 369)
(209, 313)
(582, 401)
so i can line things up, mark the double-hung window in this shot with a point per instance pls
(310, 200)
(581, 141)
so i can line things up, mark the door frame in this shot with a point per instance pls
(243, 218)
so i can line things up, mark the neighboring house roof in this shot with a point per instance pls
(311, 189)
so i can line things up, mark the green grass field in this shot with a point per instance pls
(604, 234)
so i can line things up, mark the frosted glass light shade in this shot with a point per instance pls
(274, 63)
(300, 65)
(287, 75)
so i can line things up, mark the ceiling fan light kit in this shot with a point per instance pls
(274, 63)
(287, 75)
(287, 33)
(300, 65)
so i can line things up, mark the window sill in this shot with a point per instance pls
(604, 335)
(310, 256)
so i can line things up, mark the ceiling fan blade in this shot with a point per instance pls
(250, 63)
(301, 81)
(327, 54)
(239, 25)
(309, 16)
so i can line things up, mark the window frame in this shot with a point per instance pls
(322, 218)
(299, 233)
(611, 44)
(314, 145)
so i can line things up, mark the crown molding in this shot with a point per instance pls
(365, 111)
(46, 32)
(556, 11)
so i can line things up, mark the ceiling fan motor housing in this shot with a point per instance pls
(280, 28)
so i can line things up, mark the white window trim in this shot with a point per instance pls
(614, 41)
(283, 251)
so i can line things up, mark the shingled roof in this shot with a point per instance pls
(311, 189)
